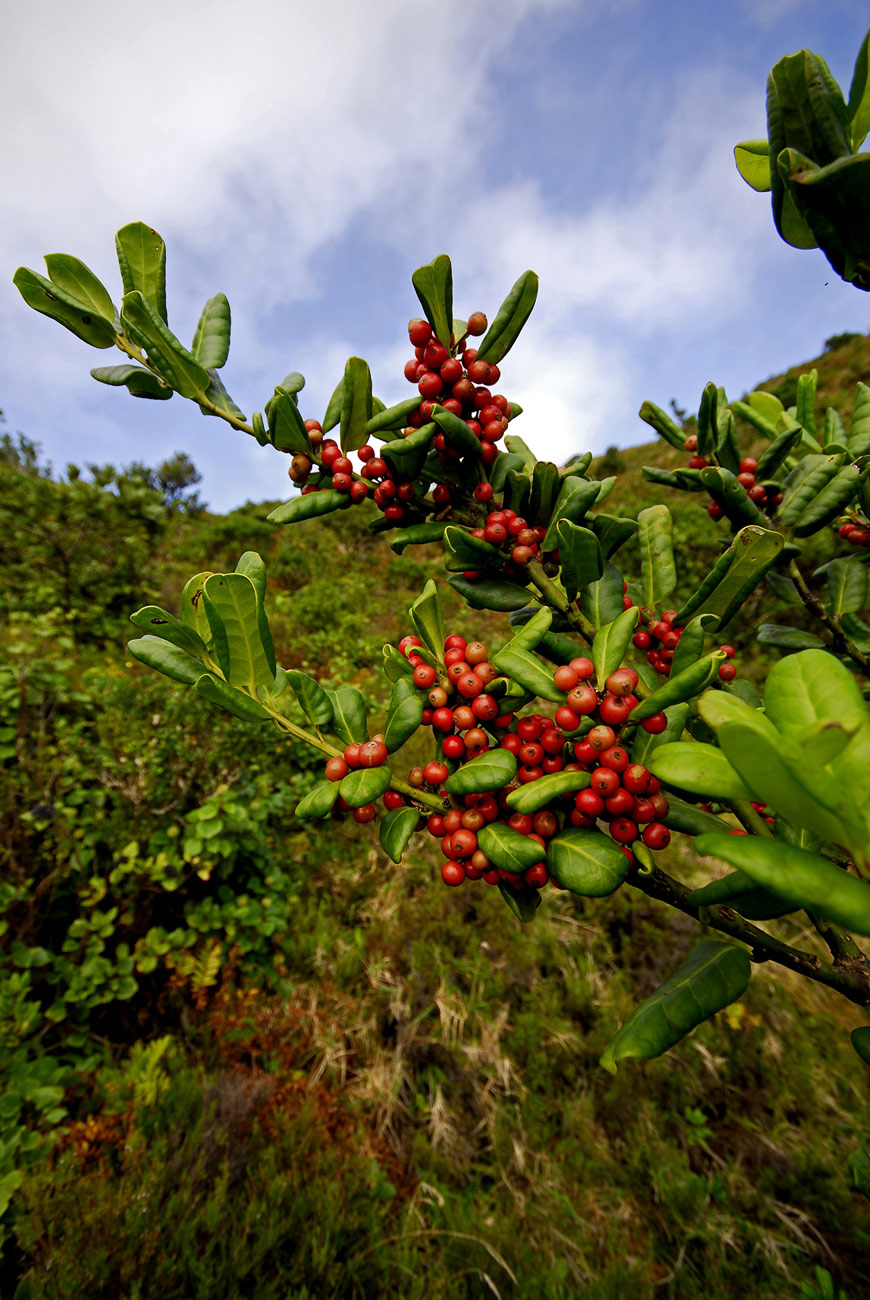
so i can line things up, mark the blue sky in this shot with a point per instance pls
(305, 156)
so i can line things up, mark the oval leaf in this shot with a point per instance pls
(241, 706)
(586, 862)
(510, 319)
(232, 598)
(508, 849)
(348, 714)
(534, 795)
(404, 715)
(311, 696)
(489, 771)
(611, 642)
(170, 660)
(712, 977)
(365, 785)
(658, 572)
(490, 593)
(309, 505)
(524, 902)
(699, 769)
(396, 830)
(211, 341)
(318, 802)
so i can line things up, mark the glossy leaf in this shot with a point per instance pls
(546, 486)
(580, 556)
(348, 714)
(576, 496)
(859, 425)
(646, 742)
(318, 802)
(777, 453)
(612, 531)
(506, 462)
(690, 820)
(309, 506)
(811, 688)
(690, 647)
(736, 573)
(192, 607)
(610, 644)
(146, 328)
(211, 342)
(534, 795)
(251, 655)
(510, 319)
(428, 619)
(523, 667)
(241, 706)
(489, 771)
(664, 426)
(601, 601)
(712, 977)
(396, 830)
(462, 551)
(138, 381)
(404, 714)
(142, 261)
(586, 862)
(165, 658)
(699, 769)
(802, 879)
(680, 686)
(312, 697)
(828, 503)
(532, 632)
(490, 593)
(395, 664)
(79, 281)
(393, 417)
(655, 537)
(433, 284)
(356, 404)
(753, 162)
(787, 638)
(286, 426)
(847, 586)
(47, 298)
(508, 849)
(524, 902)
(457, 432)
(364, 785)
(418, 535)
(159, 623)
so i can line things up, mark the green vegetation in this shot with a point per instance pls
(321, 1073)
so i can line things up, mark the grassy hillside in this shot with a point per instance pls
(339, 1078)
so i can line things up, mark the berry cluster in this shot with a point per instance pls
(746, 477)
(623, 795)
(660, 639)
(855, 531)
(368, 753)
(510, 533)
(455, 379)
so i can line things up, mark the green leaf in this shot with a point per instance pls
(802, 879)
(457, 432)
(737, 572)
(165, 658)
(610, 644)
(859, 425)
(395, 664)
(356, 404)
(508, 849)
(211, 341)
(753, 162)
(861, 1042)
(546, 485)
(658, 572)
(241, 706)
(523, 667)
(490, 593)
(159, 623)
(586, 862)
(777, 453)
(601, 601)
(811, 688)
(510, 319)
(534, 795)
(489, 771)
(50, 300)
(309, 506)
(428, 620)
(396, 830)
(691, 644)
(689, 820)
(645, 742)
(858, 106)
(612, 531)
(365, 785)
(575, 497)
(712, 976)
(524, 902)
(407, 456)
(506, 462)
(147, 329)
(828, 503)
(580, 556)
(533, 630)
(349, 714)
(418, 535)
(79, 281)
(286, 426)
(404, 715)
(252, 565)
(680, 687)
(142, 260)
(392, 417)
(138, 381)
(699, 769)
(433, 284)
(787, 638)
(847, 586)
(319, 801)
(664, 426)
(311, 696)
(462, 551)
(233, 598)
(193, 611)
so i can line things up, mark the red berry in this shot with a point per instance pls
(392, 800)
(728, 651)
(636, 778)
(715, 511)
(442, 719)
(616, 758)
(589, 803)
(483, 492)
(623, 830)
(727, 673)
(655, 725)
(419, 332)
(604, 782)
(373, 753)
(621, 682)
(336, 769)
(436, 773)
(748, 465)
(430, 384)
(365, 814)
(582, 698)
(641, 641)
(656, 836)
(476, 323)
(424, 677)
(614, 710)
(358, 491)
(601, 738)
(620, 803)
(452, 873)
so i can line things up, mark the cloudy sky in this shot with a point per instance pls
(304, 156)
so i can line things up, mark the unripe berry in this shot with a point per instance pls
(476, 323)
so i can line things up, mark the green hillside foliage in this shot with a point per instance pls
(242, 1056)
